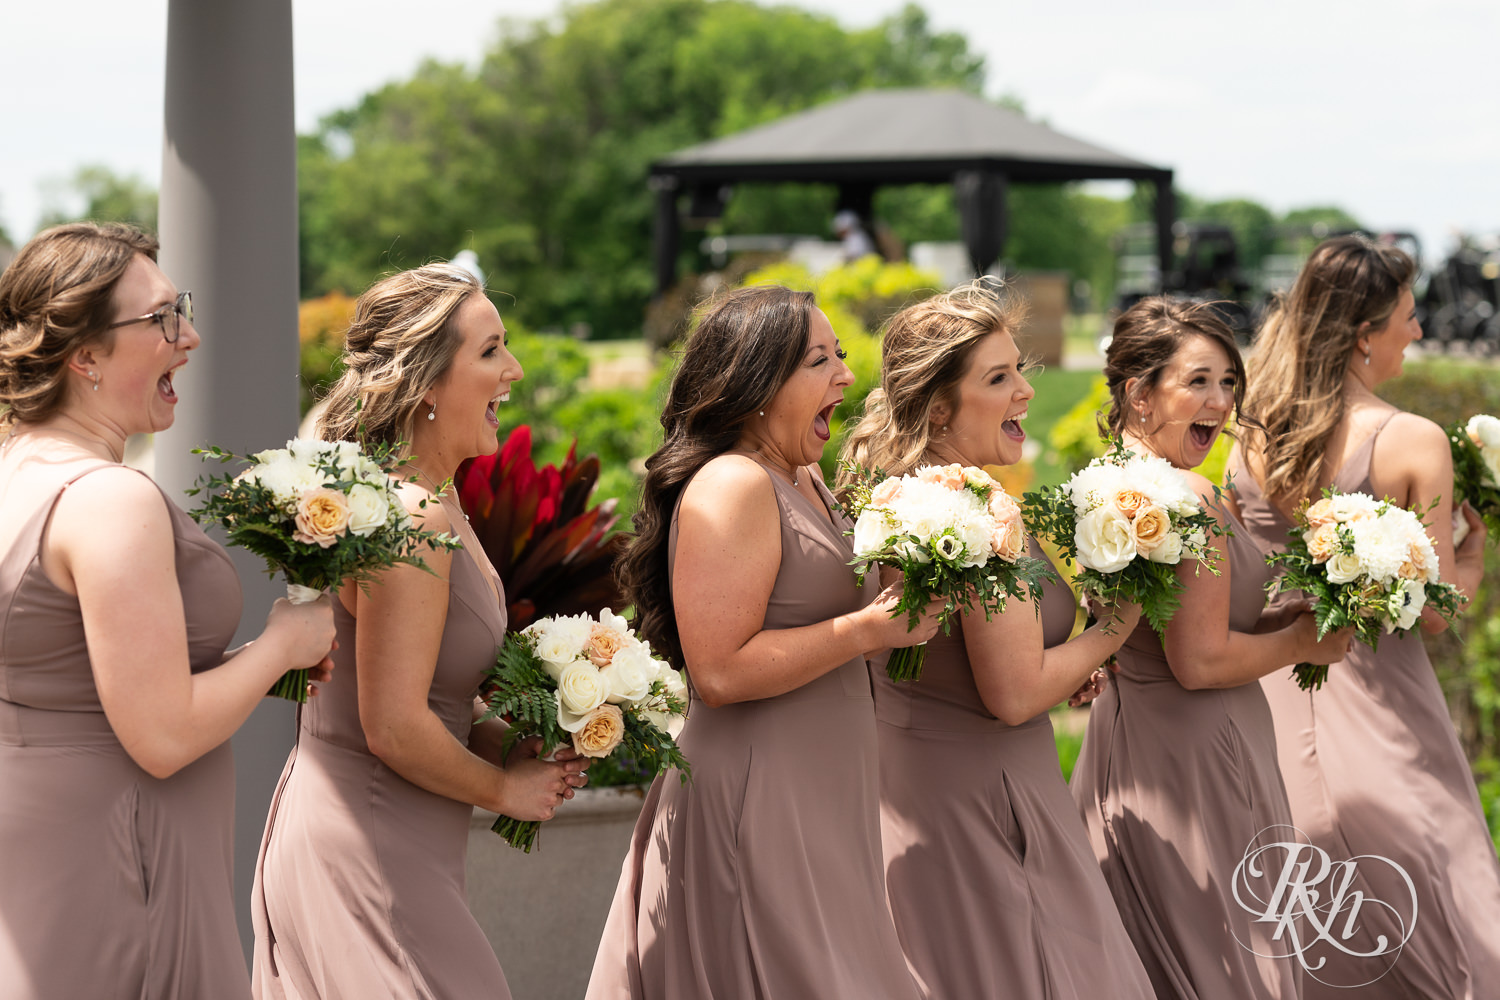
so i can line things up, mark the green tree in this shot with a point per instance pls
(104, 196)
(538, 159)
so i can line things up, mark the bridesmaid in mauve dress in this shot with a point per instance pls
(993, 886)
(116, 698)
(1177, 779)
(359, 892)
(1372, 765)
(761, 877)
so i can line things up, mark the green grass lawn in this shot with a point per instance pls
(1057, 390)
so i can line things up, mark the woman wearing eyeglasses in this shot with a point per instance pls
(117, 698)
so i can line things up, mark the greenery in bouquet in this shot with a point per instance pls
(318, 512)
(1127, 522)
(954, 533)
(1476, 472)
(1366, 564)
(590, 684)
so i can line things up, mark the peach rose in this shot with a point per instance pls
(1131, 502)
(1323, 541)
(322, 516)
(951, 476)
(604, 643)
(1002, 505)
(1320, 513)
(886, 493)
(1009, 539)
(1150, 528)
(601, 732)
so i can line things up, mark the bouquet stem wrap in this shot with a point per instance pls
(293, 684)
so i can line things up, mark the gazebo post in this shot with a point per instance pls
(229, 233)
(1166, 215)
(668, 229)
(982, 197)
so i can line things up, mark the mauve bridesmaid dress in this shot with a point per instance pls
(113, 884)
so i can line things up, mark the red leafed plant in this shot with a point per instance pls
(555, 553)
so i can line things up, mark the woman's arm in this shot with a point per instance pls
(1202, 650)
(398, 631)
(1018, 679)
(111, 543)
(728, 556)
(1413, 465)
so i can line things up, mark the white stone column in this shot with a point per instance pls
(229, 233)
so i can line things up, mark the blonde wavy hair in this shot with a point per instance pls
(56, 296)
(924, 354)
(1348, 288)
(401, 342)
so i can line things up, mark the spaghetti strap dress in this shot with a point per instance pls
(761, 878)
(1176, 787)
(1375, 772)
(359, 890)
(993, 885)
(113, 884)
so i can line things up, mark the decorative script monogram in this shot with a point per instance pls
(1318, 904)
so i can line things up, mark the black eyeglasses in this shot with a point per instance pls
(169, 318)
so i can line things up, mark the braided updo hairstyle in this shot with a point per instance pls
(401, 342)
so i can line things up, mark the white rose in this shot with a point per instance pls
(1169, 551)
(1343, 567)
(581, 687)
(368, 510)
(870, 532)
(610, 620)
(629, 676)
(1104, 541)
(1484, 430)
(676, 686)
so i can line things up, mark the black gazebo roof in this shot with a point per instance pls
(886, 137)
(901, 137)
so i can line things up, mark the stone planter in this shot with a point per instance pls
(544, 911)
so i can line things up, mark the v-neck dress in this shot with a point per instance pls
(762, 876)
(1374, 770)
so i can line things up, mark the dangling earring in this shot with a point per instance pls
(1367, 357)
(95, 377)
(432, 413)
(1143, 418)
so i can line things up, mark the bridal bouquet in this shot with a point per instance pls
(320, 512)
(1476, 472)
(1127, 521)
(954, 533)
(1365, 563)
(589, 683)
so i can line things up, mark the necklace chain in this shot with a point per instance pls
(789, 473)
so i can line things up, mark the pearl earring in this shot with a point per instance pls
(762, 412)
(432, 413)
(1367, 357)
(95, 377)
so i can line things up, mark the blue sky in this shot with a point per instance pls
(1387, 108)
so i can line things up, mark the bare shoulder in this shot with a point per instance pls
(425, 509)
(111, 498)
(732, 485)
(1410, 430)
(1199, 484)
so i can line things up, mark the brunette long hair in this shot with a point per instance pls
(744, 349)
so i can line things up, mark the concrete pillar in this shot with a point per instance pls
(229, 233)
